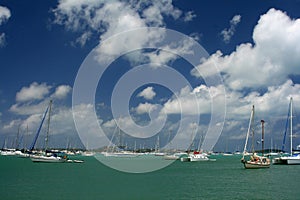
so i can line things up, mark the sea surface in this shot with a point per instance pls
(225, 178)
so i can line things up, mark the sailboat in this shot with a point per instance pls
(291, 159)
(7, 151)
(116, 150)
(11, 151)
(197, 155)
(46, 155)
(173, 154)
(22, 153)
(157, 148)
(87, 152)
(255, 161)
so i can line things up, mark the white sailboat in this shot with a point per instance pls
(291, 159)
(52, 157)
(115, 149)
(173, 154)
(88, 152)
(11, 151)
(197, 155)
(23, 153)
(255, 160)
(46, 156)
(7, 151)
(157, 148)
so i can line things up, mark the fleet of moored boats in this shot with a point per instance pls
(254, 160)
(251, 160)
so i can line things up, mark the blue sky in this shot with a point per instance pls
(254, 44)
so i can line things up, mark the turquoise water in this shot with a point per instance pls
(224, 179)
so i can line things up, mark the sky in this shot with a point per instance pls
(79, 53)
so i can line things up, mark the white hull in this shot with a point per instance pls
(21, 154)
(88, 153)
(227, 154)
(49, 159)
(75, 161)
(287, 160)
(293, 161)
(120, 154)
(159, 154)
(171, 157)
(198, 157)
(175, 156)
(8, 153)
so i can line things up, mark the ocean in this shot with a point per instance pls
(225, 178)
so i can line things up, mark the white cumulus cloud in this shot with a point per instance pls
(108, 18)
(34, 92)
(148, 93)
(145, 108)
(62, 91)
(269, 61)
(229, 32)
(35, 97)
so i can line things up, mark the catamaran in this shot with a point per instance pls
(291, 159)
(255, 160)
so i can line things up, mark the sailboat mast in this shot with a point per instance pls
(17, 138)
(291, 129)
(262, 136)
(252, 128)
(200, 143)
(25, 139)
(48, 125)
(157, 145)
(248, 132)
(38, 131)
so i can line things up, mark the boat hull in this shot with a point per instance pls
(8, 153)
(256, 162)
(198, 159)
(171, 157)
(287, 160)
(185, 159)
(293, 161)
(251, 165)
(48, 159)
(279, 161)
(120, 154)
